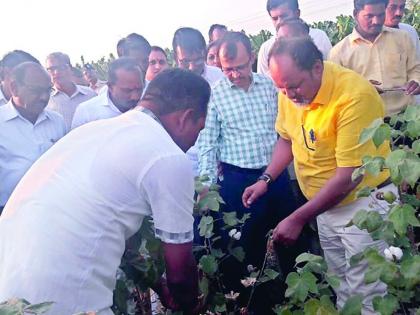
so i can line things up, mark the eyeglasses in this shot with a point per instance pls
(58, 68)
(187, 62)
(311, 137)
(236, 69)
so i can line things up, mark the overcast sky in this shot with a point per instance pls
(92, 27)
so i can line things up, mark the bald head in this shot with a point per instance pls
(31, 87)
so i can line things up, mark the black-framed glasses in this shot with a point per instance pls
(311, 138)
(236, 69)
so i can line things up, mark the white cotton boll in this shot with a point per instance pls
(396, 252)
(388, 255)
(237, 236)
(232, 232)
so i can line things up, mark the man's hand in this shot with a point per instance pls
(288, 231)
(412, 88)
(375, 84)
(252, 193)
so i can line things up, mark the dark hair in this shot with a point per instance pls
(189, 39)
(125, 63)
(62, 57)
(135, 41)
(159, 49)
(360, 4)
(215, 27)
(297, 27)
(273, 4)
(212, 44)
(177, 89)
(120, 47)
(301, 49)
(14, 58)
(229, 42)
(18, 73)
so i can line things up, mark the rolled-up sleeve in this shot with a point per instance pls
(169, 188)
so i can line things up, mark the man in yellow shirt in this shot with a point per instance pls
(323, 108)
(385, 56)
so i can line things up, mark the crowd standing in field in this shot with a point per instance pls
(281, 143)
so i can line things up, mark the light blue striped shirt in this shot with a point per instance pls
(239, 126)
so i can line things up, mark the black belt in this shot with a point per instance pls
(385, 183)
(234, 168)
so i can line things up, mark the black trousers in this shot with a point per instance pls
(278, 203)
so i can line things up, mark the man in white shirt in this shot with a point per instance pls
(65, 226)
(394, 14)
(9, 61)
(279, 11)
(189, 48)
(27, 129)
(67, 95)
(125, 86)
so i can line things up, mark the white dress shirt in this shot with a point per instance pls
(98, 107)
(413, 35)
(22, 143)
(320, 38)
(65, 225)
(66, 105)
(3, 100)
(212, 74)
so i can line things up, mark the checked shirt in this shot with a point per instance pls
(239, 126)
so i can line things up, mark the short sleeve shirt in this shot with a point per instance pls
(325, 134)
(65, 226)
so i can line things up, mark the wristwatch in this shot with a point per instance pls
(266, 178)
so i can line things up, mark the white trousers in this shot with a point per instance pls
(340, 243)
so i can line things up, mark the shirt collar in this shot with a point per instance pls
(79, 90)
(355, 35)
(323, 96)
(106, 101)
(2, 97)
(10, 112)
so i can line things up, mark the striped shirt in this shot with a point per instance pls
(239, 126)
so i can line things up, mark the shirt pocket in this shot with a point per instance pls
(323, 150)
(395, 68)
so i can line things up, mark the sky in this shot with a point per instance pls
(92, 28)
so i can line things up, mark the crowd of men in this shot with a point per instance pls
(84, 161)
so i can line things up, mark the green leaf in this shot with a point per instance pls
(333, 280)
(208, 264)
(416, 146)
(220, 308)
(357, 173)
(410, 168)
(412, 113)
(245, 217)
(271, 274)
(353, 306)
(323, 306)
(39, 308)
(393, 161)
(282, 310)
(379, 268)
(355, 259)
(206, 226)
(364, 192)
(410, 269)
(308, 257)
(230, 218)
(382, 133)
(203, 285)
(238, 253)
(9, 310)
(374, 165)
(369, 220)
(413, 128)
(386, 232)
(300, 285)
(402, 217)
(386, 305)
(369, 132)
